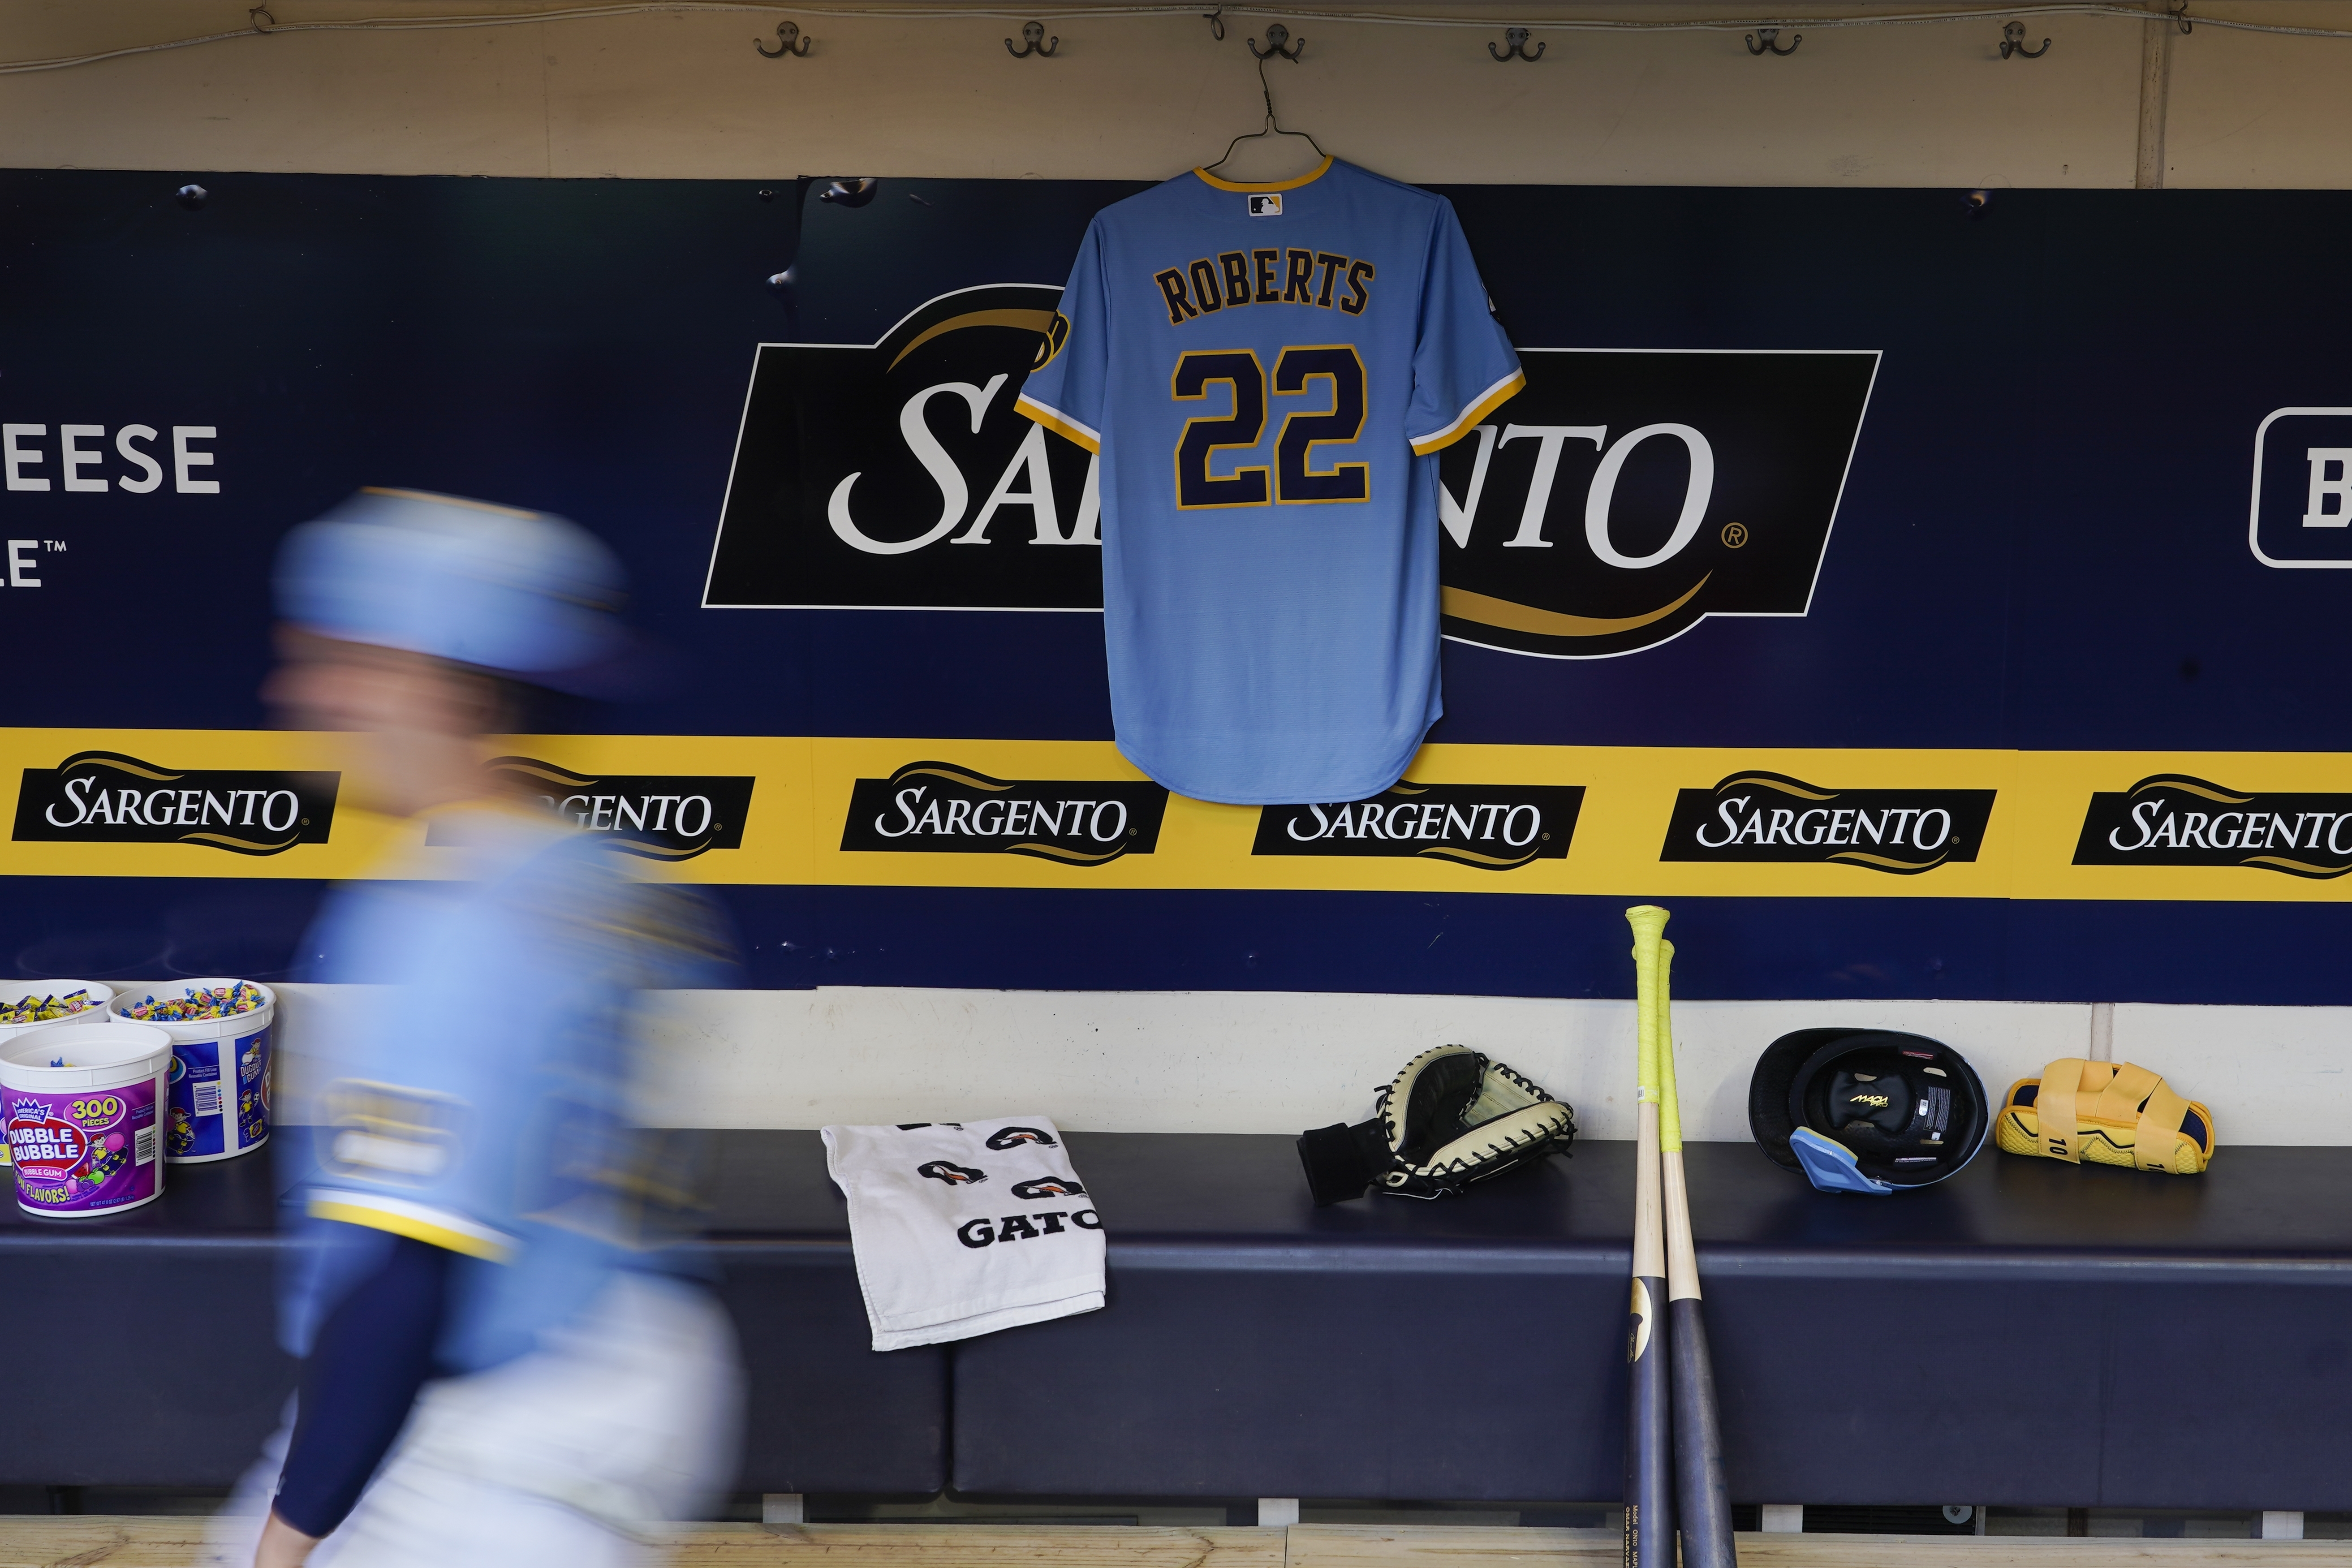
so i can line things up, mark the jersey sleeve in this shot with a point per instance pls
(1463, 366)
(1067, 391)
(360, 1375)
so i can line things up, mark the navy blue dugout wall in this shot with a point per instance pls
(2042, 541)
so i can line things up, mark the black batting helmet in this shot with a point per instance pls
(1866, 1111)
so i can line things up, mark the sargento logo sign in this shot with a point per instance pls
(1620, 499)
(1625, 495)
(898, 476)
(661, 816)
(935, 808)
(2173, 819)
(106, 797)
(1773, 817)
(1497, 827)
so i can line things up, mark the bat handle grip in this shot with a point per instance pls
(1649, 923)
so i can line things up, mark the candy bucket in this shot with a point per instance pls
(81, 1103)
(25, 1000)
(219, 1106)
(83, 999)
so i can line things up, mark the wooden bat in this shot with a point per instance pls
(1704, 1506)
(1649, 1446)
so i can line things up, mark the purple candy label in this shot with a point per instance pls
(79, 1152)
(252, 1090)
(192, 1124)
(212, 1082)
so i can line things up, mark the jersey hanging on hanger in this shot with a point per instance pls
(1268, 372)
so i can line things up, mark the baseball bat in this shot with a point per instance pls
(1699, 1495)
(1649, 1446)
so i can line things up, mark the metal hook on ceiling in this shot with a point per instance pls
(2179, 13)
(1517, 37)
(1766, 40)
(1033, 42)
(849, 191)
(261, 19)
(1216, 20)
(1277, 35)
(788, 33)
(2012, 42)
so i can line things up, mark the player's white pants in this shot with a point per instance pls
(557, 1459)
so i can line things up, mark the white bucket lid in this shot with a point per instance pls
(99, 1055)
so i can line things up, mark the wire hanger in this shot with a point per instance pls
(1273, 126)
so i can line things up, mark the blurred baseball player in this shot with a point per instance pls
(500, 1364)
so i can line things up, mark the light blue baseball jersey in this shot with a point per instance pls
(480, 1102)
(1267, 372)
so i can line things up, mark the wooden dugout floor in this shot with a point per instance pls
(91, 1541)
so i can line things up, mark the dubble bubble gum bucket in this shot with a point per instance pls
(218, 1105)
(82, 1104)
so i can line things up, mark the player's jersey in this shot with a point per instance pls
(1267, 372)
(478, 1098)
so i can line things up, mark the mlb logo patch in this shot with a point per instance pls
(1268, 206)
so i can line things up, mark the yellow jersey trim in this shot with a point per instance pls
(1307, 179)
(418, 1222)
(1060, 423)
(444, 500)
(1486, 403)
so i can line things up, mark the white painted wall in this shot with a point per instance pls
(1241, 1061)
(1230, 1061)
(684, 95)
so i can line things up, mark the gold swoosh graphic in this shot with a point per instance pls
(969, 780)
(121, 765)
(1058, 852)
(658, 851)
(1882, 863)
(1035, 321)
(1783, 785)
(2191, 787)
(1472, 857)
(538, 770)
(242, 845)
(1487, 611)
(1401, 787)
(2296, 868)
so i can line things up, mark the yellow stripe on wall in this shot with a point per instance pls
(794, 829)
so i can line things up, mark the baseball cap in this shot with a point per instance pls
(523, 594)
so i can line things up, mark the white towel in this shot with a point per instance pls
(962, 1228)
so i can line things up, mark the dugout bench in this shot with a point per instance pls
(2026, 1334)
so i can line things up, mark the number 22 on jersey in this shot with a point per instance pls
(1296, 478)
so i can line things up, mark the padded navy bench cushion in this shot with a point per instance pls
(192, 1276)
(2028, 1333)
(827, 1413)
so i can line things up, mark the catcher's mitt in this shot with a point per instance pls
(1451, 1117)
